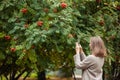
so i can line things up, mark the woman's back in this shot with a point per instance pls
(92, 64)
(94, 70)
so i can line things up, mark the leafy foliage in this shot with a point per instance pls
(40, 34)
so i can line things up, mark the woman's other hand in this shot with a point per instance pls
(81, 49)
(77, 47)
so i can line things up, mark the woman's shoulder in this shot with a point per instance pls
(91, 57)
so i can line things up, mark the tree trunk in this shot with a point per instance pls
(41, 75)
(27, 75)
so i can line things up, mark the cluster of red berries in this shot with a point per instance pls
(24, 10)
(118, 7)
(63, 5)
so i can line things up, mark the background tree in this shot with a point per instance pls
(41, 34)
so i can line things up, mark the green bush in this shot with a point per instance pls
(41, 34)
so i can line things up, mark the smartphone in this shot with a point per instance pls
(79, 43)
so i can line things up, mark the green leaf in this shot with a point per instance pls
(59, 48)
(2, 56)
(21, 56)
(57, 31)
(9, 61)
(52, 15)
(28, 45)
(1, 7)
(32, 11)
(69, 41)
(77, 13)
(12, 20)
(19, 47)
(32, 56)
(2, 35)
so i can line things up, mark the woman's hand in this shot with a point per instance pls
(81, 49)
(77, 48)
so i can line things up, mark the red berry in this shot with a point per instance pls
(101, 22)
(12, 49)
(46, 10)
(24, 10)
(32, 47)
(55, 10)
(118, 7)
(39, 23)
(7, 37)
(98, 1)
(112, 37)
(70, 35)
(26, 25)
(63, 5)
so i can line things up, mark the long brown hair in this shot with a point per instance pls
(97, 46)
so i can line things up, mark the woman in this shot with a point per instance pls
(92, 64)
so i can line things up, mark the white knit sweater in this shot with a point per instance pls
(91, 66)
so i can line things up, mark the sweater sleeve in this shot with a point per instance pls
(82, 56)
(88, 61)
